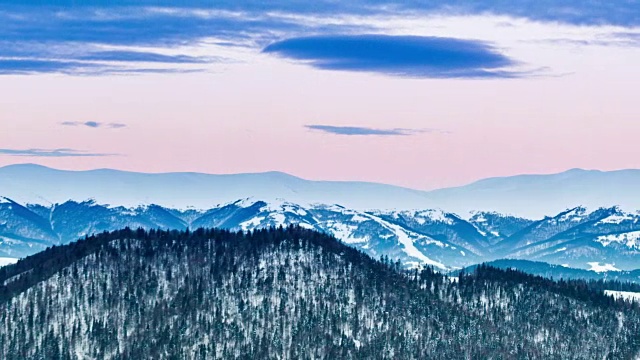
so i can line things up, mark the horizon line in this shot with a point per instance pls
(278, 172)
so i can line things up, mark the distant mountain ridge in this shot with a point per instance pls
(604, 239)
(546, 270)
(536, 196)
(527, 196)
(36, 184)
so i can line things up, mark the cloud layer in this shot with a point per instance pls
(94, 124)
(110, 37)
(593, 12)
(50, 153)
(366, 131)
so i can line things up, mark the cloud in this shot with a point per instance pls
(26, 66)
(79, 40)
(409, 56)
(619, 39)
(99, 37)
(50, 153)
(628, 38)
(367, 131)
(31, 66)
(94, 124)
(116, 125)
(594, 12)
(141, 56)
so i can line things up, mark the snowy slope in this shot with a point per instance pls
(626, 295)
(576, 237)
(7, 261)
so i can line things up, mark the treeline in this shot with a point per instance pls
(289, 293)
(588, 291)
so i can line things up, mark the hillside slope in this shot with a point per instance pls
(607, 238)
(288, 294)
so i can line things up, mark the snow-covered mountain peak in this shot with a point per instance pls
(417, 238)
(423, 216)
(243, 203)
(576, 214)
(618, 216)
(436, 215)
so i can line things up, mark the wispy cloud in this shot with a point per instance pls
(368, 131)
(28, 66)
(51, 153)
(106, 39)
(408, 56)
(619, 39)
(150, 57)
(94, 124)
(623, 13)
(33, 66)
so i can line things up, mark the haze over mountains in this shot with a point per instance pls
(40, 207)
(41, 185)
(528, 196)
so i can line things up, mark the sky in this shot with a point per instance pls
(422, 94)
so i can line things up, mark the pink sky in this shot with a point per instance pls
(250, 115)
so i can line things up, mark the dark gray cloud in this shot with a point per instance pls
(368, 131)
(51, 153)
(94, 124)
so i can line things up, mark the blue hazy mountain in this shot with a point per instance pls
(36, 184)
(526, 196)
(43, 207)
(536, 196)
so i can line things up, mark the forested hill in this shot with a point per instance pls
(289, 294)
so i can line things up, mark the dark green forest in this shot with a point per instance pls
(291, 293)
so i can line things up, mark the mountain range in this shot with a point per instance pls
(528, 196)
(41, 207)
(603, 239)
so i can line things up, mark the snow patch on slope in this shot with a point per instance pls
(344, 233)
(595, 266)
(615, 219)
(407, 242)
(7, 261)
(433, 215)
(630, 239)
(574, 215)
(251, 223)
(625, 295)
